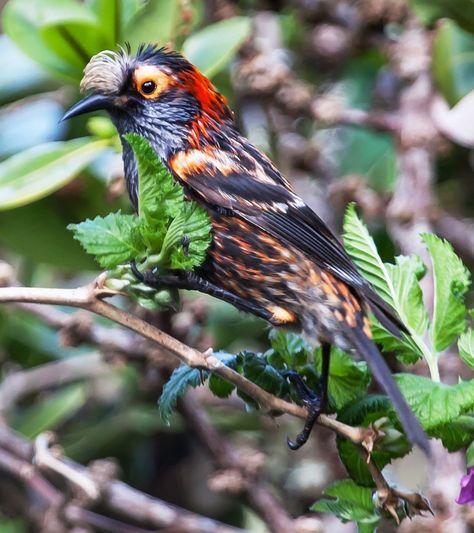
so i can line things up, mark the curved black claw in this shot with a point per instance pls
(315, 405)
(139, 275)
(315, 408)
(148, 277)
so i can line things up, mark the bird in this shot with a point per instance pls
(271, 255)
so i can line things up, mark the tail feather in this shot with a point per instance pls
(384, 378)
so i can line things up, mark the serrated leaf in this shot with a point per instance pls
(352, 503)
(363, 412)
(405, 275)
(181, 378)
(456, 434)
(361, 247)
(159, 196)
(396, 284)
(348, 379)
(292, 348)
(434, 403)
(451, 282)
(257, 369)
(407, 351)
(195, 239)
(113, 240)
(466, 347)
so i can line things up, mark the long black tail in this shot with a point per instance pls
(383, 376)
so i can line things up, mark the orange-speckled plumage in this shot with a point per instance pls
(270, 254)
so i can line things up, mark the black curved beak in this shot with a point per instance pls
(94, 102)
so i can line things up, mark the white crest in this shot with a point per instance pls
(106, 71)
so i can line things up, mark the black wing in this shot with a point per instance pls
(275, 209)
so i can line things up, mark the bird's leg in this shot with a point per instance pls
(193, 282)
(315, 404)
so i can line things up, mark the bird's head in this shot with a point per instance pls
(156, 93)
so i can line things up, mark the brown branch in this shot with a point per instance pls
(34, 465)
(19, 384)
(90, 299)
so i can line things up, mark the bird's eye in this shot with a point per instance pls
(150, 81)
(148, 87)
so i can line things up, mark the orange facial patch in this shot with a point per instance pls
(150, 81)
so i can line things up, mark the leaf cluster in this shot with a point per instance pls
(169, 233)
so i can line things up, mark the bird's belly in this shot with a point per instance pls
(250, 263)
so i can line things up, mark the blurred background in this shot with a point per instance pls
(355, 100)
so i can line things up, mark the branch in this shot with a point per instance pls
(90, 298)
(21, 383)
(32, 465)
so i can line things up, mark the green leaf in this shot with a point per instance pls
(434, 403)
(39, 171)
(213, 47)
(451, 282)
(220, 387)
(466, 347)
(396, 284)
(292, 348)
(257, 369)
(470, 455)
(181, 378)
(21, 76)
(462, 12)
(407, 350)
(156, 21)
(363, 412)
(453, 61)
(14, 525)
(361, 247)
(161, 199)
(197, 234)
(20, 22)
(348, 379)
(52, 243)
(114, 15)
(61, 35)
(352, 503)
(71, 30)
(456, 434)
(51, 412)
(404, 276)
(159, 196)
(112, 240)
(368, 153)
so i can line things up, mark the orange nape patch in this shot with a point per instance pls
(212, 103)
(281, 315)
(150, 81)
